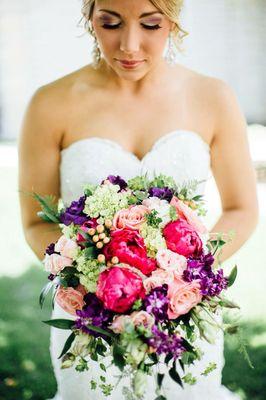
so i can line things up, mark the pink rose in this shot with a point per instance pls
(55, 263)
(182, 297)
(129, 247)
(181, 238)
(119, 288)
(167, 259)
(132, 217)
(137, 317)
(185, 212)
(158, 278)
(66, 247)
(70, 299)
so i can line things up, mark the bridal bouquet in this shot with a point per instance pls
(134, 269)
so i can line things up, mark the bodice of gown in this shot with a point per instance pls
(182, 154)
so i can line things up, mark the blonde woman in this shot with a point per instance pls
(129, 112)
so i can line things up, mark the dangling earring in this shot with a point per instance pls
(170, 56)
(96, 52)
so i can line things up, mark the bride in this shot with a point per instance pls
(128, 113)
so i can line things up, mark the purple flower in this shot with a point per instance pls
(164, 343)
(51, 277)
(201, 268)
(74, 213)
(117, 180)
(93, 313)
(156, 303)
(50, 249)
(163, 193)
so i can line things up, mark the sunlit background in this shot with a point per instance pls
(41, 41)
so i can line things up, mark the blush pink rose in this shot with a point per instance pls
(158, 278)
(132, 217)
(70, 299)
(182, 297)
(55, 263)
(181, 238)
(137, 318)
(185, 212)
(129, 247)
(167, 259)
(119, 288)
(66, 247)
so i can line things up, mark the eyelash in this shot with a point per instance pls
(153, 27)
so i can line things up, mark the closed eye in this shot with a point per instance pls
(152, 27)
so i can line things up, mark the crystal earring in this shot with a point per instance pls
(170, 56)
(96, 52)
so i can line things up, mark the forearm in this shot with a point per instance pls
(40, 235)
(241, 222)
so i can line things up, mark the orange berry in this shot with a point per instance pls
(102, 235)
(115, 260)
(106, 240)
(101, 258)
(99, 245)
(95, 238)
(100, 228)
(91, 231)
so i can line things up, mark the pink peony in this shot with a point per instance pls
(55, 263)
(185, 212)
(181, 238)
(70, 299)
(132, 217)
(182, 296)
(158, 278)
(167, 259)
(129, 247)
(119, 288)
(66, 247)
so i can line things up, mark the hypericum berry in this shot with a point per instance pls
(100, 228)
(102, 235)
(108, 223)
(91, 231)
(95, 238)
(115, 260)
(101, 258)
(99, 245)
(106, 240)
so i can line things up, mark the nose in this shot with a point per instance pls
(129, 42)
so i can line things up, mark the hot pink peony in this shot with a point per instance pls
(55, 263)
(130, 248)
(132, 217)
(119, 288)
(183, 296)
(181, 238)
(66, 247)
(70, 299)
(185, 212)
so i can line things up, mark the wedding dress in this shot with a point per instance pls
(185, 156)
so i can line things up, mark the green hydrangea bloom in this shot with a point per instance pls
(163, 181)
(89, 271)
(105, 202)
(153, 239)
(69, 231)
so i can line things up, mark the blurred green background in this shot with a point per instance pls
(25, 367)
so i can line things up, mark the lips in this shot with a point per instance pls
(127, 62)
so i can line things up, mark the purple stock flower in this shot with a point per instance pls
(74, 213)
(156, 302)
(201, 268)
(163, 193)
(50, 249)
(117, 180)
(93, 313)
(164, 343)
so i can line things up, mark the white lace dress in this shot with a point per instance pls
(183, 155)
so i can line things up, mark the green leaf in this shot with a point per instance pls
(168, 358)
(160, 378)
(174, 375)
(154, 358)
(46, 289)
(90, 253)
(182, 365)
(102, 366)
(232, 276)
(118, 355)
(187, 345)
(94, 356)
(161, 397)
(100, 330)
(49, 207)
(60, 323)
(68, 343)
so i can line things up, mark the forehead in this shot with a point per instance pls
(126, 7)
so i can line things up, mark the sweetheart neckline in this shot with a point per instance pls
(155, 144)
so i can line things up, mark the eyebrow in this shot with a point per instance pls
(141, 16)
